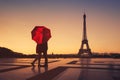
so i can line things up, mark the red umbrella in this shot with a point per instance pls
(41, 34)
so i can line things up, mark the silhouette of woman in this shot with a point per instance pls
(41, 48)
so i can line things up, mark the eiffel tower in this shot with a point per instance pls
(84, 40)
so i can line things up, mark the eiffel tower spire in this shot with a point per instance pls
(84, 27)
(84, 39)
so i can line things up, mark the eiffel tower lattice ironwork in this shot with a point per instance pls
(84, 40)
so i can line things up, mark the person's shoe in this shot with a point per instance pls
(32, 64)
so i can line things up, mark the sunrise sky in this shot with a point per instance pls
(65, 19)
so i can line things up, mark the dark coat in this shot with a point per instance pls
(41, 47)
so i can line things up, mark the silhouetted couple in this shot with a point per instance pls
(41, 48)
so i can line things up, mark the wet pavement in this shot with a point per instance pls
(60, 69)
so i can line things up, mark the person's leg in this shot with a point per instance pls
(46, 58)
(34, 60)
(39, 59)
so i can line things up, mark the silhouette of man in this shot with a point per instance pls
(41, 48)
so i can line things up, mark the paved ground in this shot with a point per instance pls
(60, 69)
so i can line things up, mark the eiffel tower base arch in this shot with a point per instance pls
(85, 53)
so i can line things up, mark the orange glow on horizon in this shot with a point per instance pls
(66, 24)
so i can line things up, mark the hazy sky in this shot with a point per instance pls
(65, 19)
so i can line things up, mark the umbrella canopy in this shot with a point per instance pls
(41, 34)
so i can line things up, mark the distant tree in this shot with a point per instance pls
(5, 52)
